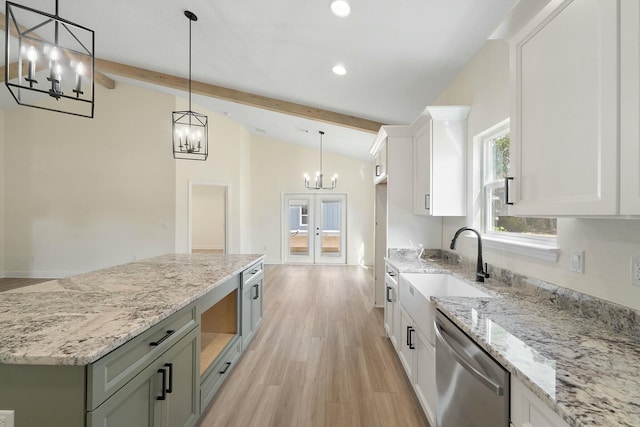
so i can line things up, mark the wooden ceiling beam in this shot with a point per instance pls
(237, 96)
(100, 78)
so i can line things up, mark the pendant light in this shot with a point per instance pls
(52, 58)
(190, 129)
(318, 184)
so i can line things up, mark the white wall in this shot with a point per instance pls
(228, 164)
(2, 194)
(278, 167)
(608, 243)
(82, 194)
(207, 216)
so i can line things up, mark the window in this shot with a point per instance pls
(496, 148)
(304, 217)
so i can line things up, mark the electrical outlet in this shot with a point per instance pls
(7, 419)
(577, 261)
(635, 270)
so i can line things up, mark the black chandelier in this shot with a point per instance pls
(190, 129)
(318, 183)
(53, 61)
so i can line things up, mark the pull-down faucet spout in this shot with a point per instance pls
(481, 270)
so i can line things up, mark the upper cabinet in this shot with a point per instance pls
(630, 107)
(439, 161)
(565, 128)
(379, 152)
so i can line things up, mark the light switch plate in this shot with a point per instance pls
(7, 419)
(577, 261)
(635, 270)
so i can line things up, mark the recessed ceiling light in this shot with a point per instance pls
(340, 8)
(339, 69)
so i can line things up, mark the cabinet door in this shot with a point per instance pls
(181, 363)
(248, 293)
(256, 305)
(527, 410)
(425, 375)
(134, 405)
(406, 345)
(422, 169)
(564, 136)
(380, 168)
(630, 107)
(390, 307)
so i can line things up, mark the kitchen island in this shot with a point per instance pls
(578, 355)
(70, 346)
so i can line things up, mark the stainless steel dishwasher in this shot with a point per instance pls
(473, 389)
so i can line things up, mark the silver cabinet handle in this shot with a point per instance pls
(440, 332)
(426, 201)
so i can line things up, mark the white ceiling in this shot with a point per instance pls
(400, 54)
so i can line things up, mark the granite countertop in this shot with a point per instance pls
(78, 319)
(568, 354)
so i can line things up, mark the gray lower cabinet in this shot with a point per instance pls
(252, 287)
(164, 394)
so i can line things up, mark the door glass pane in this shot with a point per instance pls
(299, 227)
(331, 228)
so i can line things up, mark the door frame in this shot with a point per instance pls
(315, 202)
(190, 213)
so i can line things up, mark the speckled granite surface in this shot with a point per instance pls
(579, 354)
(77, 320)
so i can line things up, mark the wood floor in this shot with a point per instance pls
(319, 359)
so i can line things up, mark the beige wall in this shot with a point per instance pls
(207, 216)
(608, 243)
(278, 167)
(2, 194)
(83, 194)
(227, 164)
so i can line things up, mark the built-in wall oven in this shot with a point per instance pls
(472, 388)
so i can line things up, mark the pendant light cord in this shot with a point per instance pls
(190, 64)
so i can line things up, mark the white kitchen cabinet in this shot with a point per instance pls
(392, 305)
(417, 356)
(424, 382)
(528, 410)
(379, 152)
(564, 123)
(629, 107)
(439, 161)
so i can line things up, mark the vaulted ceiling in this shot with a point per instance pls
(399, 55)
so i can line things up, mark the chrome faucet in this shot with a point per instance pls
(481, 273)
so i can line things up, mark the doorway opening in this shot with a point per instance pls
(208, 205)
(314, 228)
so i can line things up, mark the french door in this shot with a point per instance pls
(314, 228)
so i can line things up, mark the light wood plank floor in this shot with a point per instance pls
(321, 358)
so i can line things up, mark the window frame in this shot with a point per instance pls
(538, 246)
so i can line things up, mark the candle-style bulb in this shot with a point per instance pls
(32, 56)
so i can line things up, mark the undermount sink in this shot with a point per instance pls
(416, 289)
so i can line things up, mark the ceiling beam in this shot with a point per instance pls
(99, 78)
(237, 96)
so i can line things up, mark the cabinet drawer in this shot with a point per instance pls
(110, 373)
(252, 274)
(219, 372)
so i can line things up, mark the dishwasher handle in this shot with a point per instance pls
(440, 332)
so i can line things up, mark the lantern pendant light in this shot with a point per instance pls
(49, 61)
(318, 183)
(190, 129)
